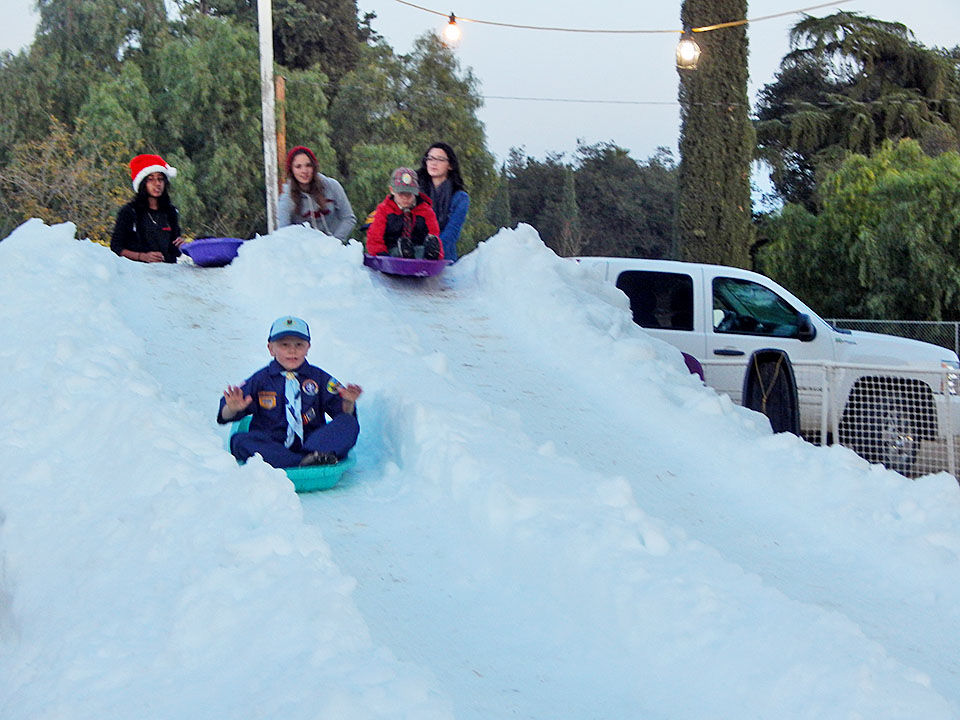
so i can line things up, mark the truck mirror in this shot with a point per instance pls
(806, 331)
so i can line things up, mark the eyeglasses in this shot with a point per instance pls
(435, 158)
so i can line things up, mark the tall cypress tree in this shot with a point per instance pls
(716, 140)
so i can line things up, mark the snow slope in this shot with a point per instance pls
(549, 517)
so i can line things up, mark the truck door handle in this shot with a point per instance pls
(728, 351)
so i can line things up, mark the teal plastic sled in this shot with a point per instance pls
(309, 478)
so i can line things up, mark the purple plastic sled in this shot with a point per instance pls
(212, 252)
(404, 266)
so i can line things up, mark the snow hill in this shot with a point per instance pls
(549, 517)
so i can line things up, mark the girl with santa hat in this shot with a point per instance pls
(148, 227)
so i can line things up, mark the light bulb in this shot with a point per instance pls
(688, 52)
(451, 33)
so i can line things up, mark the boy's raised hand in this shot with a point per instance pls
(235, 401)
(349, 393)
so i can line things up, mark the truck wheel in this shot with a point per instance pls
(882, 429)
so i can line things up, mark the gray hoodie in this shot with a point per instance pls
(339, 221)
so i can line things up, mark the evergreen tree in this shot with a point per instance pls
(562, 218)
(626, 207)
(499, 212)
(533, 186)
(307, 34)
(26, 89)
(848, 83)
(86, 41)
(716, 140)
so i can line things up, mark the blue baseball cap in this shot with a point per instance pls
(289, 326)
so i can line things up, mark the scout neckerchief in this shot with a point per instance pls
(294, 419)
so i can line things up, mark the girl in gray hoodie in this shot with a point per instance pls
(309, 197)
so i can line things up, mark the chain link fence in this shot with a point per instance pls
(945, 334)
(905, 420)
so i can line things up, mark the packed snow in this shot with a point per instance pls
(549, 517)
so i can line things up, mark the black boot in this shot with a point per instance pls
(431, 248)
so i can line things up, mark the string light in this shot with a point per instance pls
(704, 28)
(451, 33)
(688, 52)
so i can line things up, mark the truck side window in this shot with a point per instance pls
(659, 299)
(748, 308)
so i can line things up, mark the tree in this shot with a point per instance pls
(306, 113)
(205, 91)
(716, 140)
(55, 181)
(533, 186)
(559, 220)
(888, 232)
(626, 207)
(848, 83)
(323, 35)
(87, 41)
(499, 211)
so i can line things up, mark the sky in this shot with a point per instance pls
(549, 517)
(638, 69)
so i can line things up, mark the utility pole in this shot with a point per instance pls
(267, 104)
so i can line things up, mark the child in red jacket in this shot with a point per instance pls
(404, 224)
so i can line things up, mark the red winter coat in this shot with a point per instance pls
(387, 225)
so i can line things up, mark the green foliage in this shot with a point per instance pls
(87, 40)
(117, 111)
(534, 186)
(562, 217)
(54, 180)
(306, 116)
(27, 99)
(626, 207)
(322, 35)
(211, 115)
(372, 165)
(888, 234)
(714, 217)
(498, 211)
(622, 207)
(849, 83)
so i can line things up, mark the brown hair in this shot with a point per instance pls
(314, 188)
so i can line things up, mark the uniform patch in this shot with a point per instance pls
(267, 399)
(333, 386)
(309, 415)
(310, 387)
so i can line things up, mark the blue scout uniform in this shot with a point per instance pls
(268, 426)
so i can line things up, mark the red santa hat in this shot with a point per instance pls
(143, 165)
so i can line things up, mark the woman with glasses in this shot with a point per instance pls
(309, 197)
(440, 180)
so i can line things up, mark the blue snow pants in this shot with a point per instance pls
(337, 436)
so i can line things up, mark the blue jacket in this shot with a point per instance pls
(450, 233)
(318, 397)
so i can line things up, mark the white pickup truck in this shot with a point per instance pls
(879, 394)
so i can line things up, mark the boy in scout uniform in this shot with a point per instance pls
(290, 400)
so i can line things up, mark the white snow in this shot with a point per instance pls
(549, 518)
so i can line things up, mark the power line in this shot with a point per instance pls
(580, 100)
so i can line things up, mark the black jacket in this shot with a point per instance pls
(146, 231)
